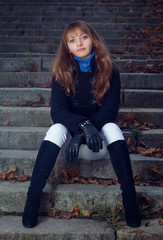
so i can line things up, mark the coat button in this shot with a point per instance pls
(75, 102)
(76, 81)
(92, 101)
(91, 80)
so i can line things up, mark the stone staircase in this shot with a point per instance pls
(30, 32)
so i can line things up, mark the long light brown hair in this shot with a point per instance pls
(63, 67)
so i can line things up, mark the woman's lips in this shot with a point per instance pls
(81, 49)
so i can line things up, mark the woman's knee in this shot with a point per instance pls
(111, 133)
(57, 134)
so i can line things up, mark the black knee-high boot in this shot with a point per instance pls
(45, 161)
(122, 166)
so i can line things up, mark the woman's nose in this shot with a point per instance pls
(79, 42)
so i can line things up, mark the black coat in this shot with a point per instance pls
(71, 111)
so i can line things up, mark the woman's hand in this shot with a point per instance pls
(92, 136)
(72, 149)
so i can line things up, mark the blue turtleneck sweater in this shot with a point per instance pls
(85, 63)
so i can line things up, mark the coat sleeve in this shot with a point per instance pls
(61, 111)
(107, 112)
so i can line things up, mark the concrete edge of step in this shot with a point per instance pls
(49, 228)
(64, 196)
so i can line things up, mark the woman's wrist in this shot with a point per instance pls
(83, 124)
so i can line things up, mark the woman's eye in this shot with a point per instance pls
(84, 37)
(72, 41)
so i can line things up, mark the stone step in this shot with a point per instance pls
(61, 25)
(108, 7)
(152, 115)
(15, 196)
(91, 196)
(31, 116)
(72, 3)
(67, 18)
(85, 196)
(17, 95)
(139, 80)
(124, 65)
(67, 11)
(58, 32)
(44, 63)
(22, 137)
(142, 98)
(36, 64)
(48, 2)
(80, 11)
(107, 16)
(116, 55)
(30, 138)
(58, 229)
(129, 97)
(52, 48)
(24, 161)
(40, 116)
(40, 78)
(18, 64)
(75, 229)
(46, 10)
(56, 40)
(121, 7)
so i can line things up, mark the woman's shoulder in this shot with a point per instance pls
(53, 78)
(54, 82)
(115, 68)
(115, 76)
(115, 71)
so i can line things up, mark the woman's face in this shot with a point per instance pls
(79, 43)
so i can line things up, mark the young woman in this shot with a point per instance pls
(85, 100)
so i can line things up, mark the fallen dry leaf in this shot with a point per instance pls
(5, 122)
(129, 117)
(160, 88)
(160, 207)
(106, 182)
(74, 211)
(128, 141)
(53, 212)
(40, 98)
(119, 208)
(65, 176)
(143, 199)
(129, 122)
(160, 222)
(129, 65)
(45, 85)
(151, 152)
(6, 104)
(153, 168)
(47, 104)
(39, 103)
(147, 152)
(138, 231)
(86, 213)
(92, 181)
(12, 176)
(147, 224)
(57, 214)
(73, 172)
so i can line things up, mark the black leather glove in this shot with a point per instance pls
(72, 149)
(92, 136)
